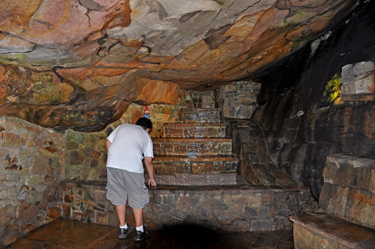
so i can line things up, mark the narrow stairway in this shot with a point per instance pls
(195, 152)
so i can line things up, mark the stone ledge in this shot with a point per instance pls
(358, 97)
(101, 185)
(179, 124)
(356, 162)
(199, 110)
(199, 179)
(196, 158)
(333, 230)
(191, 140)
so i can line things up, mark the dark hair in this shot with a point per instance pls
(145, 123)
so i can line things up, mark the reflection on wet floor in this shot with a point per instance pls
(63, 234)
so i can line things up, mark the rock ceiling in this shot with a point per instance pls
(80, 63)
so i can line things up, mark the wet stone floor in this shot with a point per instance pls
(63, 234)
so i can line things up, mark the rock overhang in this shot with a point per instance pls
(80, 64)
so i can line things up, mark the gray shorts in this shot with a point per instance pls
(125, 186)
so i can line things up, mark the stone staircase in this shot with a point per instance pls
(195, 152)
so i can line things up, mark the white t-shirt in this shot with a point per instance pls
(129, 144)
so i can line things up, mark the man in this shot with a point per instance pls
(127, 145)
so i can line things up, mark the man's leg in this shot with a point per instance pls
(138, 213)
(121, 212)
(141, 231)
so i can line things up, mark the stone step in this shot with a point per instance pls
(200, 115)
(320, 230)
(215, 179)
(170, 165)
(192, 146)
(198, 130)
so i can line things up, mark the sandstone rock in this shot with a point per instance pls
(40, 166)
(10, 238)
(53, 213)
(12, 140)
(79, 64)
(26, 212)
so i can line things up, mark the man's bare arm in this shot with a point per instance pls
(107, 144)
(150, 169)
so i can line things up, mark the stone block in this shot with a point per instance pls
(6, 215)
(197, 180)
(267, 212)
(26, 212)
(329, 171)
(189, 200)
(76, 158)
(10, 238)
(227, 218)
(363, 67)
(197, 168)
(250, 213)
(12, 140)
(53, 213)
(182, 179)
(39, 166)
(184, 208)
(365, 84)
(347, 73)
(216, 206)
(201, 212)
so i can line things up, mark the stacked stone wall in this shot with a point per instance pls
(32, 165)
(231, 208)
(238, 100)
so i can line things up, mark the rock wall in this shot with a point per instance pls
(348, 190)
(32, 164)
(301, 129)
(238, 100)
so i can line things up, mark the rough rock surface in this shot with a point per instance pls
(300, 127)
(80, 63)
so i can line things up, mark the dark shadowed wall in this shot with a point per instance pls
(301, 129)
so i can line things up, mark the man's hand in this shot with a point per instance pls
(150, 168)
(151, 182)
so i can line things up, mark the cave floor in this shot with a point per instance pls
(63, 234)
